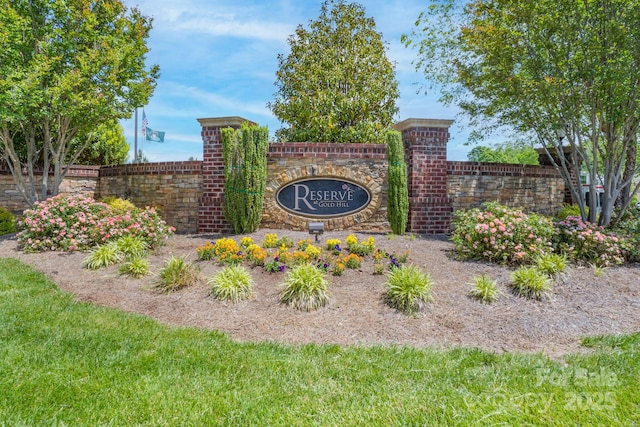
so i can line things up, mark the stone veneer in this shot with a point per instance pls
(539, 188)
(364, 164)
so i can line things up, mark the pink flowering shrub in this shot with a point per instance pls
(500, 234)
(69, 223)
(588, 242)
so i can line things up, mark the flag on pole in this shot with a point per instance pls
(154, 135)
(145, 123)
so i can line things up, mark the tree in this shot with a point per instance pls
(565, 71)
(108, 146)
(398, 197)
(504, 153)
(66, 67)
(336, 84)
(245, 175)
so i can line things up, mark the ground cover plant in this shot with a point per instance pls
(105, 366)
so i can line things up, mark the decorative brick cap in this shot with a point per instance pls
(422, 123)
(221, 122)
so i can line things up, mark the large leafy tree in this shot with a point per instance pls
(336, 84)
(66, 66)
(107, 146)
(515, 153)
(566, 71)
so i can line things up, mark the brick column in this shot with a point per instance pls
(210, 214)
(425, 142)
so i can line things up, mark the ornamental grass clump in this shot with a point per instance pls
(588, 242)
(135, 267)
(176, 274)
(528, 281)
(232, 283)
(103, 256)
(484, 289)
(132, 246)
(500, 234)
(408, 289)
(305, 288)
(551, 264)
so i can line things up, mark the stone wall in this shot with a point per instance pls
(174, 188)
(536, 188)
(79, 180)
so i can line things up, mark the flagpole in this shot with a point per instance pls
(135, 140)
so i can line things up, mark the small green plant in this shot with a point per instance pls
(270, 241)
(597, 269)
(530, 282)
(408, 289)
(135, 267)
(484, 289)
(176, 274)
(274, 266)
(7, 221)
(118, 205)
(338, 268)
(331, 244)
(231, 284)
(305, 288)
(103, 256)
(551, 263)
(206, 252)
(285, 241)
(132, 246)
(378, 269)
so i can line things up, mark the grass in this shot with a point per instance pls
(232, 283)
(484, 289)
(531, 283)
(408, 289)
(64, 362)
(176, 274)
(305, 288)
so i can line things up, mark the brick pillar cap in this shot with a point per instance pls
(422, 123)
(221, 122)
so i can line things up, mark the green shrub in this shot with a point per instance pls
(176, 274)
(550, 263)
(530, 282)
(408, 289)
(398, 197)
(71, 223)
(500, 234)
(569, 210)
(630, 229)
(119, 206)
(245, 175)
(135, 267)
(7, 221)
(103, 256)
(588, 242)
(231, 284)
(305, 288)
(484, 289)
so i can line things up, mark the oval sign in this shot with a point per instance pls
(323, 197)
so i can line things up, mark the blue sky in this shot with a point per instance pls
(219, 58)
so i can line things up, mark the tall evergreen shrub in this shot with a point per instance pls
(245, 175)
(398, 199)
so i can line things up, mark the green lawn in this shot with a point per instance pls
(64, 362)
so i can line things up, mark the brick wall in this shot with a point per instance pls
(425, 142)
